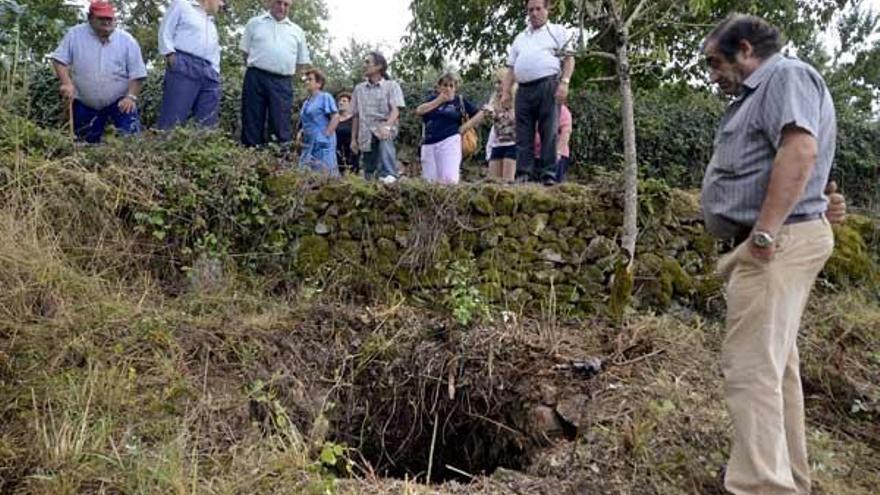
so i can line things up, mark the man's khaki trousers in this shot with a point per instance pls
(765, 301)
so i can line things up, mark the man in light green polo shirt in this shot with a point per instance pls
(274, 49)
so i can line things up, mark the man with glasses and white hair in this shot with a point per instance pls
(102, 71)
(275, 50)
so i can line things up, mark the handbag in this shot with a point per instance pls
(470, 140)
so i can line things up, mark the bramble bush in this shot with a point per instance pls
(675, 129)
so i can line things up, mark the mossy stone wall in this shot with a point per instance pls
(526, 247)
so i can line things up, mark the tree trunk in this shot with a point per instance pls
(630, 165)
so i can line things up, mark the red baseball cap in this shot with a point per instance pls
(101, 8)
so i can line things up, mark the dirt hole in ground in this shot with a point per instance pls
(408, 399)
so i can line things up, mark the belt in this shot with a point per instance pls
(805, 217)
(268, 73)
(188, 54)
(728, 244)
(538, 81)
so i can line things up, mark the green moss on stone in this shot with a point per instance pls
(311, 254)
(621, 292)
(481, 204)
(560, 219)
(851, 262)
(538, 223)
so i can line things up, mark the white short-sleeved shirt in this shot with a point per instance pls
(274, 46)
(536, 53)
(100, 71)
(186, 27)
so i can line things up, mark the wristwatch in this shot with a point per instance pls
(565, 80)
(762, 239)
(132, 97)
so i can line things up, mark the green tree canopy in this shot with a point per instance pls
(665, 38)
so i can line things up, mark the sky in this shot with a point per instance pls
(383, 22)
(380, 22)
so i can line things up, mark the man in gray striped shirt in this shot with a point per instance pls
(764, 188)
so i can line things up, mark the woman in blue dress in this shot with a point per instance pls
(319, 117)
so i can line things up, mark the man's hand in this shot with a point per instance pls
(836, 213)
(127, 105)
(170, 58)
(68, 91)
(354, 146)
(762, 254)
(562, 93)
(383, 132)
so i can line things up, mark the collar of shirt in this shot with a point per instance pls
(268, 16)
(374, 84)
(761, 73)
(531, 30)
(197, 4)
(109, 38)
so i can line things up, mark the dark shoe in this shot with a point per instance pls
(549, 181)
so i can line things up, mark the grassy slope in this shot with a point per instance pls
(106, 389)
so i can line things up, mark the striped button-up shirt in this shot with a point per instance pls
(186, 27)
(781, 92)
(274, 46)
(372, 103)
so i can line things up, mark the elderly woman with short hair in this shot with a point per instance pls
(319, 117)
(443, 113)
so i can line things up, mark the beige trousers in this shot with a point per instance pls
(759, 358)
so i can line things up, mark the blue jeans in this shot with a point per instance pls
(191, 88)
(381, 160)
(89, 123)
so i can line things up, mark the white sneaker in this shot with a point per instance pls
(388, 179)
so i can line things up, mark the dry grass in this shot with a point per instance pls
(108, 384)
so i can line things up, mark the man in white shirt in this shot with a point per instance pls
(101, 69)
(274, 49)
(188, 40)
(541, 61)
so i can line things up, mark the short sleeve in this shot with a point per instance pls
(512, 53)
(354, 101)
(328, 104)
(794, 97)
(470, 108)
(565, 39)
(245, 43)
(397, 95)
(64, 52)
(136, 67)
(303, 56)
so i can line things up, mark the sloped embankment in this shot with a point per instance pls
(177, 317)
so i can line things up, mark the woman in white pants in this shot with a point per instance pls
(443, 113)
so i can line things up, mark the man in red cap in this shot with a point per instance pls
(102, 70)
